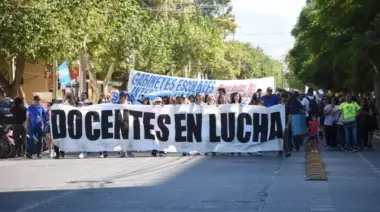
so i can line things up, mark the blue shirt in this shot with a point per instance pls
(295, 107)
(268, 102)
(37, 115)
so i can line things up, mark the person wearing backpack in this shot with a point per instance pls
(310, 103)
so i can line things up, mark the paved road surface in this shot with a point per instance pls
(194, 183)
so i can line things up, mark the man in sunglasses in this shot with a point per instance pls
(269, 99)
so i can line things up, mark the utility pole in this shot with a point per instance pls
(55, 64)
(131, 65)
(82, 74)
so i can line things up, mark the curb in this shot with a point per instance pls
(314, 166)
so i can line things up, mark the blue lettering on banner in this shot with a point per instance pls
(211, 87)
(167, 85)
(153, 81)
(185, 85)
(158, 83)
(146, 81)
(143, 80)
(193, 86)
(173, 83)
(135, 79)
(178, 87)
(199, 87)
(163, 84)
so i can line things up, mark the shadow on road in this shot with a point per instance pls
(173, 183)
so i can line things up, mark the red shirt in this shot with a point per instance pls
(313, 128)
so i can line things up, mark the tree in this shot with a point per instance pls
(165, 36)
(333, 48)
(30, 32)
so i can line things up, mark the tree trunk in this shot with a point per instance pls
(92, 75)
(20, 68)
(107, 78)
(11, 88)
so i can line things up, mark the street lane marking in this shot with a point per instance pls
(369, 164)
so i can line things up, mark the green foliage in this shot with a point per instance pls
(335, 42)
(165, 37)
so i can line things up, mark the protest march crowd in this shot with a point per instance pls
(345, 122)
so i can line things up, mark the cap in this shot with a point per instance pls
(36, 98)
(183, 96)
(269, 89)
(157, 99)
(123, 93)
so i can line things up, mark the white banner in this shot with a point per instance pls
(171, 128)
(142, 83)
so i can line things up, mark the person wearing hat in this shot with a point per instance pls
(269, 99)
(184, 99)
(157, 101)
(123, 98)
(35, 122)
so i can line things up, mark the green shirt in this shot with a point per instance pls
(349, 110)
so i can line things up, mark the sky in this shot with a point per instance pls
(267, 23)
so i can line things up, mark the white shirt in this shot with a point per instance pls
(305, 102)
(329, 119)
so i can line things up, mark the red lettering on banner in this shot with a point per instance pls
(251, 88)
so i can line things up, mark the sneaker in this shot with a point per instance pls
(105, 154)
(258, 153)
(288, 154)
(213, 153)
(355, 150)
(52, 154)
(130, 154)
(29, 156)
(81, 155)
(239, 153)
(122, 154)
(184, 154)
(63, 154)
(154, 153)
(101, 155)
(39, 156)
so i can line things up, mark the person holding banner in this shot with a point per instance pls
(270, 99)
(199, 99)
(298, 122)
(123, 99)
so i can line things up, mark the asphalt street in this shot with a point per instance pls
(194, 183)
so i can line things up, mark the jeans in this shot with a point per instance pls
(350, 132)
(331, 135)
(38, 133)
(19, 136)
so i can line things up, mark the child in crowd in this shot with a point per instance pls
(313, 128)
